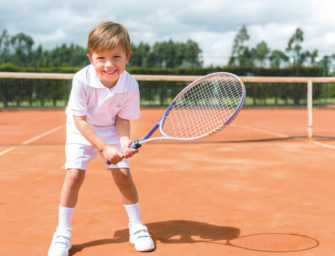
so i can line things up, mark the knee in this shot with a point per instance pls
(123, 179)
(74, 179)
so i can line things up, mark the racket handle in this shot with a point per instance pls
(134, 145)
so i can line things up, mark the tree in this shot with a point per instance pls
(166, 54)
(141, 55)
(64, 56)
(22, 45)
(190, 52)
(261, 53)
(4, 47)
(311, 56)
(276, 58)
(240, 53)
(294, 46)
(325, 64)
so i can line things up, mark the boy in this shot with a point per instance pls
(103, 99)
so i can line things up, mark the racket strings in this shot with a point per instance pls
(204, 108)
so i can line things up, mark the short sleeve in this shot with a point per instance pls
(78, 98)
(131, 108)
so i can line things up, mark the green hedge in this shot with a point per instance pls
(241, 71)
(41, 93)
(248, 71)
(9, 67)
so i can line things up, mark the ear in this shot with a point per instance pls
(129, 56)
(89, 57)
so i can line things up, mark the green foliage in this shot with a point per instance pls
(9, 67)
(170, 57)
(241, 71)
(164, 58)
(17, 92)
(294, 46)
(168, 54)
(276, 58)
(18, 51)
(21, 93)
(240, 53)
(261, 53)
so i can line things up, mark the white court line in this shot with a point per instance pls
(323, 144)
(281, 135)
(6, 150)
(42, 135)
(26, 142)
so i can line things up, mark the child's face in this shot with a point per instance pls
(109, 65)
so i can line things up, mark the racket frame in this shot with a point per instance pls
(145, 139)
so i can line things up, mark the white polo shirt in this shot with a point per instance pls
(89, 97)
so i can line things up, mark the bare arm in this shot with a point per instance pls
(123, 130)
(111, 153)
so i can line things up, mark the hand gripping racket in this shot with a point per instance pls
(202, 108)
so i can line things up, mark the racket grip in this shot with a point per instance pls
(135, 145)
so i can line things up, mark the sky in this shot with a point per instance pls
(213, 24)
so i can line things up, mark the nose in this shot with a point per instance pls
(109, 63)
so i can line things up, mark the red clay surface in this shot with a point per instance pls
(48, 126)
(256, 198)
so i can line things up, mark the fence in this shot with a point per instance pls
(305, 102)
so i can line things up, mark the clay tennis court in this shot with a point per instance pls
(219, 196)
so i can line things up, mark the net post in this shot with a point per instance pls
(310, 108)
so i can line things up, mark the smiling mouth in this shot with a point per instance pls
(110, 73)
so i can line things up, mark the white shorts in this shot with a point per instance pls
(78, 157)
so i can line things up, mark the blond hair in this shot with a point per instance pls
(106, 36)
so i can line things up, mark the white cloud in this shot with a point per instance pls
(50, 39)
(213, 24)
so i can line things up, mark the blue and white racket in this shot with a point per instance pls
(201, 109)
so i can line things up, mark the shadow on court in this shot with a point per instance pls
(174, 231)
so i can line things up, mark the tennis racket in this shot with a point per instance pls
(201, 109)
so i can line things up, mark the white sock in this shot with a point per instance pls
(133, 211)
(64, 217)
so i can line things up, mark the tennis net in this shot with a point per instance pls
(276, 108)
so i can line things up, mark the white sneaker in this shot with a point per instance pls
(139, 236)
(61, 243)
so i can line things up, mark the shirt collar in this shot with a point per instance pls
(95, 82)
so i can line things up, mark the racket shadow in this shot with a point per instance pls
(173, 231)
(272, 242)
(184, 231)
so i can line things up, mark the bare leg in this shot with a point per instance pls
(73, 180)
(125, 184)
(138, 233)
